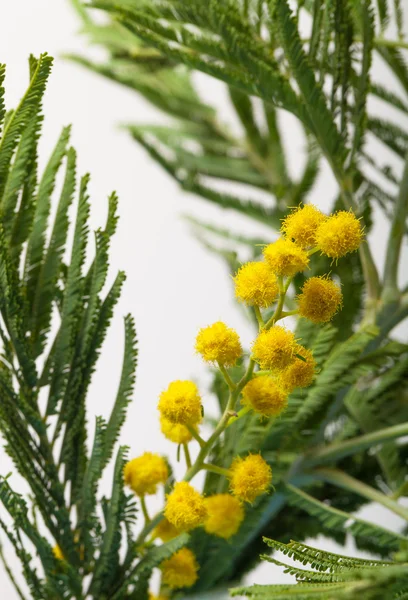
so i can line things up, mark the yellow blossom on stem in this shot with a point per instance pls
(340, 234)
(286, 258)
(225, 515)
(219, 344)
(320, 299)
(185, 507)
(165, 531)
(256, 285)
(179, 434)
(301, 225)
(265, 396)
(180, 570)
(159, 597)
(144, 473)
(57, 552)
(274, 348)
(301, 372)
(250, 477)
(181, 403)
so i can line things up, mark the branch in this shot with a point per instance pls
(340, 450)
(391, 292)
(340, 479)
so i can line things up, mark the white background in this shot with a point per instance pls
(174, 286)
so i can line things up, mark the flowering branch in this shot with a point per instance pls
(278, 364)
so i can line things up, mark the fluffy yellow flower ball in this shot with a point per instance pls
(159, 597)
(250, 477)
(57, 552)
(219, 344)
(144, 473)
(339, 234)
(285, 257)
(225, 515)
(165, 531)
(320, 299)
(256, 285)
(274, 349)
(180, 570)
(185, 507)
(181, 403)
(179, 434)
(301, 225)
(265, 396)
(300, 373)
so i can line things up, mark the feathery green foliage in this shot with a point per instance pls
(315, 60)
(334, 576)
(54, 319)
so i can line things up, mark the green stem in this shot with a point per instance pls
(11, 576)
(259, 317)
(391, 292)
(144, 510)
(227, 377)
(340, 450)
(347, 482)
(288, 313)
(196, 435)
(187, 455)
(367, 262)
(207, 446)
(279, 307)
(215, 469)
(244, 411)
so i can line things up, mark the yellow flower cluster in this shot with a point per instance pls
(219, 344)
(340, 234)
(57, 552)
(301, 225)
(181, 403)
(175, 432)
(283, 365)
(165, 531)
(185, 507)
(300, 373)
(286, 258)
(320, 299)
(265, 395)
(256, 285)
(250, 477)
(180, 570)
(274, 348)
(145, 473)
(224, 515)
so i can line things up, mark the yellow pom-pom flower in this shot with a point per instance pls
(179, 434)
(256, 285)
(265, 396)
(286, 258)
(181, 403)
(185, 507)
(180, 570)
(219, 344)
(320, 299)
(225, 515)
(159, 597)
(57, 552)
(301, 225)
(301, 372)
(144, 473)
(274, 349)
(250, 477)
(340, 234)
(165, 531)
